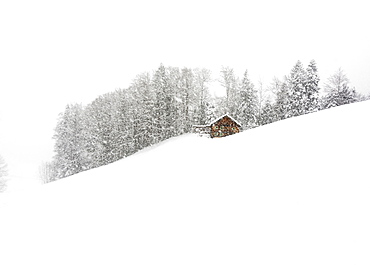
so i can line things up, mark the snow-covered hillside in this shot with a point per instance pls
(292, 192)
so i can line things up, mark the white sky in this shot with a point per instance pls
(57, 52)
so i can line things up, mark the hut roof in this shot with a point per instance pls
(219, 118)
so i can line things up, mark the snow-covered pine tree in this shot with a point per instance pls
(124, 127)
(312, 88)
(268, 114)
(164, 111)
(175, 84)
(282, 100)
(297, 90)
(246, 103)
(186, 94)
(93, 145)
(202, 96)
(261, 100)
(70, 155)
(210, 111)
(100, 131)
(143, 101)
(105, 124)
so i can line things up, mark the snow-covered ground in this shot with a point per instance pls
(292, 192)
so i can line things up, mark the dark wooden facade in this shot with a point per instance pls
(224, 126)
(221, 127)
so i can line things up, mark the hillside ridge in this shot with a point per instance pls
(293, 192)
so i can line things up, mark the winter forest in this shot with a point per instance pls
(167, 102)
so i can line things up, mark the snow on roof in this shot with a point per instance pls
(219, 118)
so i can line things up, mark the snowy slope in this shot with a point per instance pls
(293, 192)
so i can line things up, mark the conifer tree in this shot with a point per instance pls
(187, 97)
(175, 84)
(123, 125)
(297, 90)
(202, 96)
(93, 124)
(70, 156)
(164, 111)
(268, 114)
(246, 103)
(282, 101)
(312, 88)
(143, 101)
(104, 120)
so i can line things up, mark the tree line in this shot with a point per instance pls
(166, 103)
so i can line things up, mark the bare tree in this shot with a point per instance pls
(336, 82)
(338, 91)
(229, 81)
(275, 86)
(261, 99)
(202, 77)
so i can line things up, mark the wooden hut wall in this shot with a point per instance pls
(224, 127)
